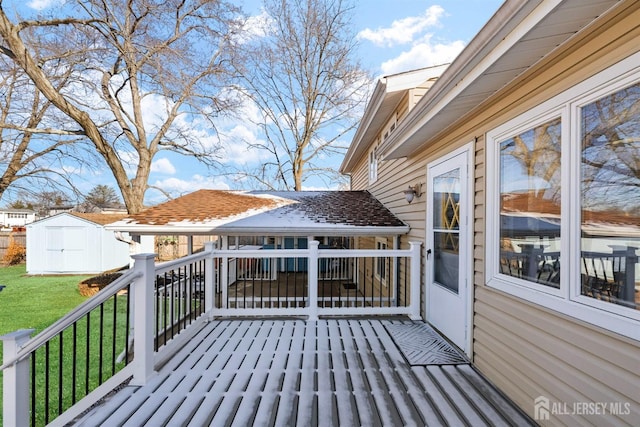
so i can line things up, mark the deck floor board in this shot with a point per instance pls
(330, 372)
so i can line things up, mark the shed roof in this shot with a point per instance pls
(266, 212)
(96, 218)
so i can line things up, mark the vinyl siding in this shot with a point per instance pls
(528, 350)
(525, 349)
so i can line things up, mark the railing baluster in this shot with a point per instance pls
(101, 344)
(128, 327)
(60, 365)
(74, 369)
(46, 383)
(33, 388)
(114, 337)
(87, 358)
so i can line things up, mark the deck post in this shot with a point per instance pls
(313, 279)
(15, 389)
(143, 318)
(414, 279)
(210, 279)
(224, 272)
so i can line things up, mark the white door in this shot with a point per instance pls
(66, 248)
(448, 248)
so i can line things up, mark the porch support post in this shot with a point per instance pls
(210, 279)
(15, 383)
(224, 271)
(414, 279)
(189, 244)
(313, 279)
(143, 318)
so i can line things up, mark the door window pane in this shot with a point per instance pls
(446, 226)
(610, 198)
(530, 204)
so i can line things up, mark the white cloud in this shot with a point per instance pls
(423, 54)
(197, 182)
(255, 27)
(43, 4)
(164, 166)
(403, 31)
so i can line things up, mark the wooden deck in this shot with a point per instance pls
(276, 372)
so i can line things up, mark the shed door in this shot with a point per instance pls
(448, 248)
(66, 248)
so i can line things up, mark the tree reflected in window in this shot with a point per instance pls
(610, 197)
(530, 204)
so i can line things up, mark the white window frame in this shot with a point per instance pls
(568, 299)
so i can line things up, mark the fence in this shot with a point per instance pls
(19, 237)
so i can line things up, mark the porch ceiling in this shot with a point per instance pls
(326, 213)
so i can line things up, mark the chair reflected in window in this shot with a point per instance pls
(610, 276)
(530, 261)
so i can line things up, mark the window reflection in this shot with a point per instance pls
(446, 226)
(530, 204)
(610, 198)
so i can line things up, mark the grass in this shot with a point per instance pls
(34, 302)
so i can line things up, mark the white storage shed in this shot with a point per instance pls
(74, 243)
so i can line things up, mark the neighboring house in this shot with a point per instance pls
(11, 218)
(523, 160)
(74, 243)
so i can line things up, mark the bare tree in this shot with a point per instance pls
(303, 76)
(30, 157)
(145, 74)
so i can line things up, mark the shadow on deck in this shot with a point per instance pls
(271, 372)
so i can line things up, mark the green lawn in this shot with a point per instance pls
(34, 301)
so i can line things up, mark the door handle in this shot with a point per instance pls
(428, 253)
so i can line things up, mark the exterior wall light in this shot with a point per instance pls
(411, 192)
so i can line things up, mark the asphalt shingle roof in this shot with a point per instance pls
(209, 210)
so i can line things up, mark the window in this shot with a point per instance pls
(373, 166)
(530, 204)
(610, 197)
(563, 201)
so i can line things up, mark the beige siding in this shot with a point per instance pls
(527, 350)
(360, 177)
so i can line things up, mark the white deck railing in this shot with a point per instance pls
(166, 304)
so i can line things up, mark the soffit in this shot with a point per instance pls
(507, 50)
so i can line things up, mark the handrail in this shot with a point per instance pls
(74, 315)
(322, 253)
(169, 265)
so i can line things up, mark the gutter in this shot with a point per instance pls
(326, 230)
(120, 237)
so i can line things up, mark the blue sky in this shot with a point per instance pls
(394, 36)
